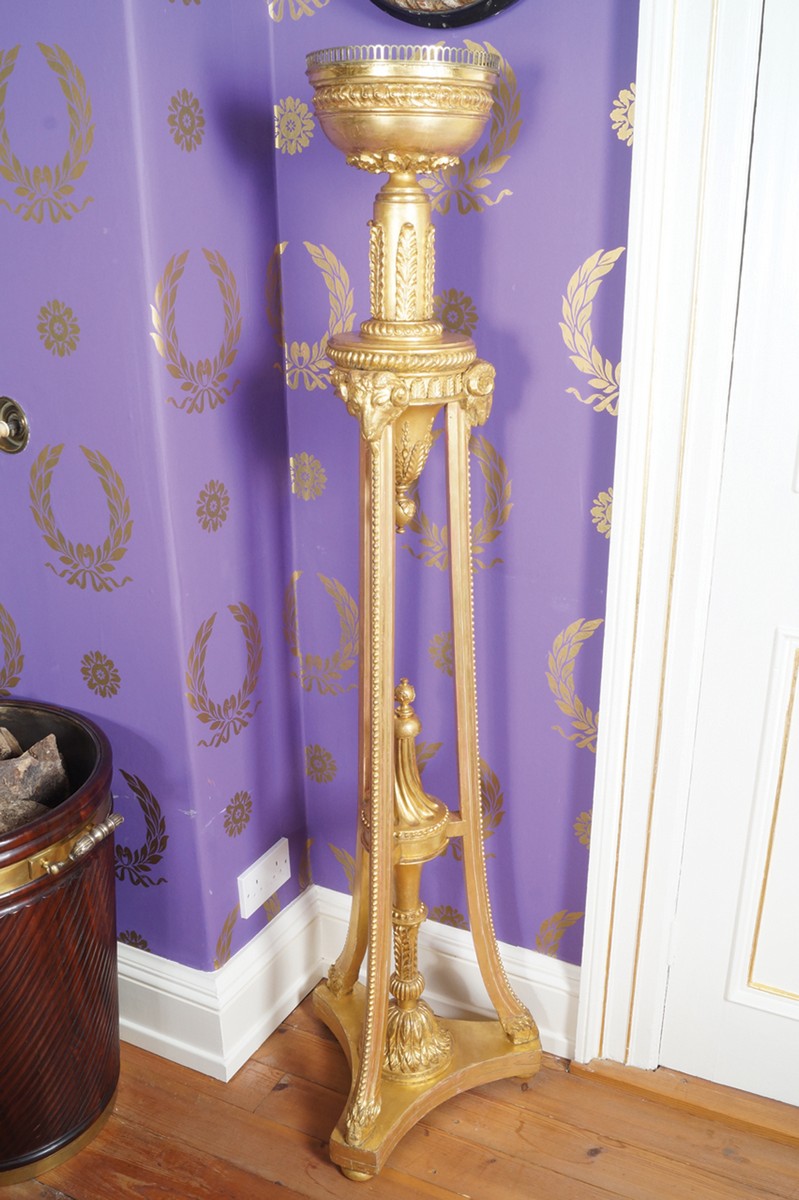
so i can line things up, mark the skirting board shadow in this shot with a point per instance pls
(213, 1021)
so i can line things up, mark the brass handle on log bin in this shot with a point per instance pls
(84, 844)
(14, 428)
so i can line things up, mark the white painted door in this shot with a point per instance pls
(732, 1003)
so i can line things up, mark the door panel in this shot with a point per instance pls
(768, 950)
(732, 1006)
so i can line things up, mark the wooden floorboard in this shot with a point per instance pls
(566, 1135)
(778, 1122)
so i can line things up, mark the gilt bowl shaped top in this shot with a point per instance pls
(411, 108)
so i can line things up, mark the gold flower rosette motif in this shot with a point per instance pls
(405, 110)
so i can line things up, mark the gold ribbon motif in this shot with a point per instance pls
(469, 182)
(445, 914)
(13, 658)
(578, 305)
(296, 8)
(45, 191)
(82, 563)
(234, 714)
(202, 382)
(324, 673)
(560, 677)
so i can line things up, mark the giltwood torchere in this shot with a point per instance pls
(405, 110)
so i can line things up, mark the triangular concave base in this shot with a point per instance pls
(482, 1052)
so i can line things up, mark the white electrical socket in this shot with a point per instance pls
(263, 878)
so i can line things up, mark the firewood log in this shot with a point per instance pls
(38, 775)
(9, 746)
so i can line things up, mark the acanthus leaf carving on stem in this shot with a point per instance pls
(407, 273)
(430, 273)
(377, 255)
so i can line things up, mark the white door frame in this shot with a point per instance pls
(696, 86)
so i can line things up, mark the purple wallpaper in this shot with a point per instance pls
(181, 562)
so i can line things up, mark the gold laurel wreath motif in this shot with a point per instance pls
(622, 115)
(582, 828)
(13, 658)
(223, 942)
(234, 714)
(434, 540)
(325, 673)
(204, 380)
(492, 798)
(347, 863)
(467, 182)
(83, 563)
(425, 751)
(137, 865)
(577, 334)
(552, 930)
(305, 869)
(46, 190)
(560, 677)
(273, 295)
(308, 363)
(296, 8)
(492, 801)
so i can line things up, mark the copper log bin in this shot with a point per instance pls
(59, 1007)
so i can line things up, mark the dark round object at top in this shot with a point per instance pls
(442, 14)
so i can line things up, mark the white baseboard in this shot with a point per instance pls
(213, 1021)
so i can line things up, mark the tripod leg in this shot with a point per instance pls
(378, 546)
(343, 975)
(514, 1016)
